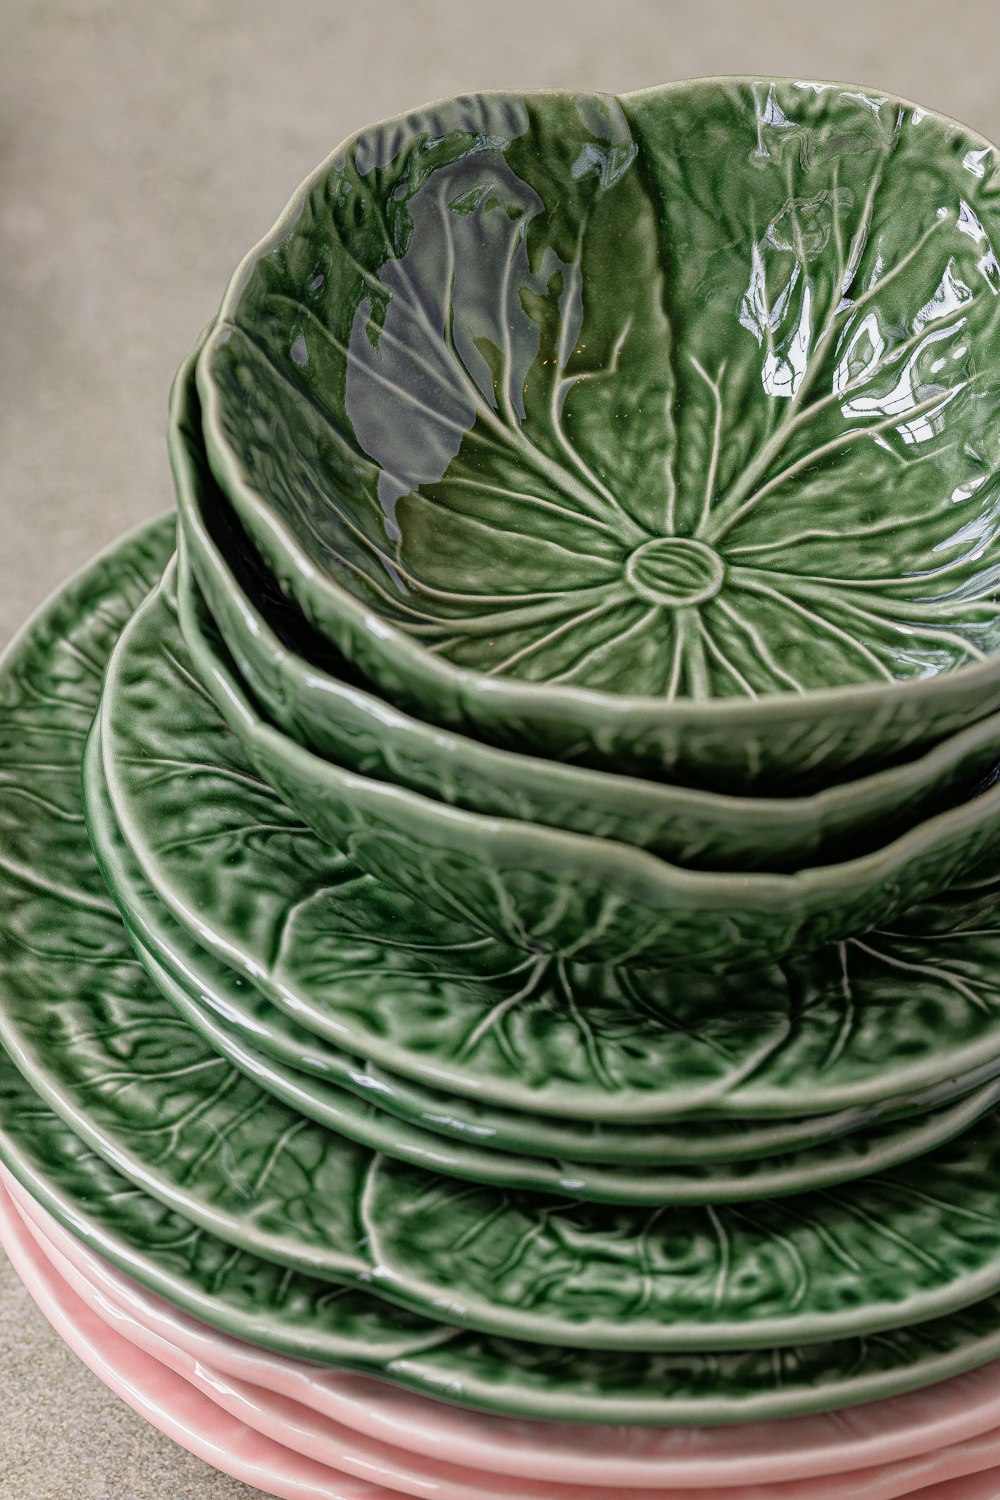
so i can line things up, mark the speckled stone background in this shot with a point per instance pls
(143, 148)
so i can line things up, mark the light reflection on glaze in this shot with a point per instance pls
(761, 315)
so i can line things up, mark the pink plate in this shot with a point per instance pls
(617, 1457)
(302, 1429)
(948, 1413)
(163, 1398)
(985, 1486)
(166, 1397)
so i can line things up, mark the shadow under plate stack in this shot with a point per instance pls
(500, 939)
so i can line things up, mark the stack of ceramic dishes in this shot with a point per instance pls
(502, 912)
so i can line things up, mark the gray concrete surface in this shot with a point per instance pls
(143, 148)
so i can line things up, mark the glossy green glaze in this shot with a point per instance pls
(97, 1042)
(144, 1091)
(316, 698)
(268, 1034)
(374, 971)
(593, 421)
(241, 1023)
(845, 1159)
(204, 992)
(537, 888)
(159, 1104)
(297, 1315)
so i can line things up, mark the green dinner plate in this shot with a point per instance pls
(96, 1042)
(657, 432)
(857, 1023)
(320, 700)
(203, 991)
(265, 1304)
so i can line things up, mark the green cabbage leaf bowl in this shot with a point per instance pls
(544, 890)
(655, 432)
(316, 698)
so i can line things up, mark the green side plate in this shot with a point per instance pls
(209, 997)
(857, 1023)
(258, 1035)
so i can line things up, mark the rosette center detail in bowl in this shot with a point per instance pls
(675, 570)
(525, 376)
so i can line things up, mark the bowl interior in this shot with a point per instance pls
(686, 393)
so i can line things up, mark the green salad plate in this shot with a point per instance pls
(430, 998)
(96, 1041)
(318, 699)
(844, 1160)
(203, 991)
(655, 432)
(378, 975)
(539, 889)
(256, 1034)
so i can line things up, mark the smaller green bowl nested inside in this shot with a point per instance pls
(654, 400)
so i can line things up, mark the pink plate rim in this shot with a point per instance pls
(93, 1340)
